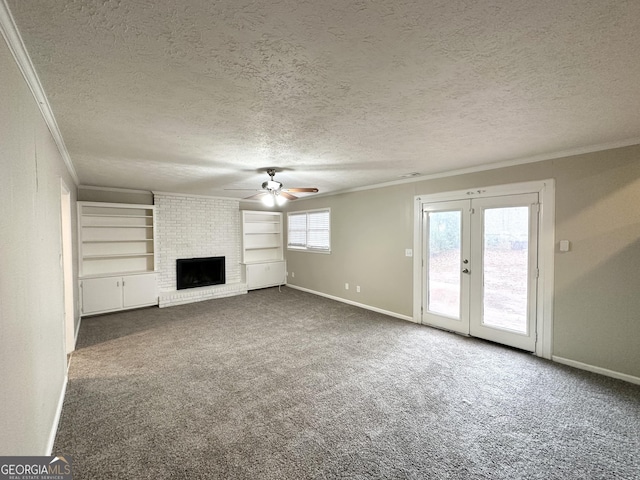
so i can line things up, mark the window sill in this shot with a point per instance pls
(308, 250)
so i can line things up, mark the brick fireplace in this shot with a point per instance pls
(196, 226)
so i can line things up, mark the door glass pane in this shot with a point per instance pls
(506, 267)
(444, 263)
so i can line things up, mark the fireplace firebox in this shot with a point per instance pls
(200, 272)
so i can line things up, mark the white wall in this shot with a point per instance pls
(32, 352)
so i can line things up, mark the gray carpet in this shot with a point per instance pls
(288, 385)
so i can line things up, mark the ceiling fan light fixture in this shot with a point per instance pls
(272, 199)
(269, 200)
(280, 200)
(274, 194)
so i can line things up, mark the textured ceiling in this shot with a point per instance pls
(199, 96)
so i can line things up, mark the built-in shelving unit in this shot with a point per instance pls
(261, 236)
(116, 239)
(117, 246)
(262, 249)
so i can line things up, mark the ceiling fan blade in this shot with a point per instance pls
(310, 189)
(288, 196)
(257, 195)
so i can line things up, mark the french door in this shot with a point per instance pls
(480, 267)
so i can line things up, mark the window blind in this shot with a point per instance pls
(309, 230)
(297, 230)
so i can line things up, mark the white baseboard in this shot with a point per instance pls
(56, 419)
(356, 304)
(594, 369)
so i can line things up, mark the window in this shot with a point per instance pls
(309, 230)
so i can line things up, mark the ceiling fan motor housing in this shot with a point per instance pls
(272, 185)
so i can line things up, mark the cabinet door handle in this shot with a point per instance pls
(117, 284)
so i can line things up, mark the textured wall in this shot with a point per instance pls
(597, 307)
(32, 356)
(189, 227)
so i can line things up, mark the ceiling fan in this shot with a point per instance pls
(274, 194)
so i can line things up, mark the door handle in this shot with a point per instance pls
(465, 270)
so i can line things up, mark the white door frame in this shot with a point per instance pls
(66, 260)
(546, 249)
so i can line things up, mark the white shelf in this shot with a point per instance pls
(118, 241)
(117, 226)
(118, 255)
(115, 216)
(102, 275)
(115, 239)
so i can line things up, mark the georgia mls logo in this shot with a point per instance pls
(63, 467)
(35, 468)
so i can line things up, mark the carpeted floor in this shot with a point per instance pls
(288, 385)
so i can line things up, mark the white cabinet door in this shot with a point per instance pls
(116, 293)
(139, 290)
(261, 275)
(101, 294)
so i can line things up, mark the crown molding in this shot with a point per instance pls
(178, 194)
(559, 155)
(14, 41)
(113, 189)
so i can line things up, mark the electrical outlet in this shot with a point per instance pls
(408, 252)
(358, 289)
(293, 274)
(346, 286)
